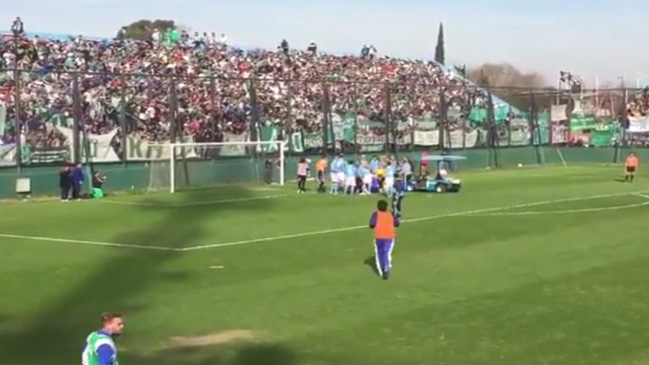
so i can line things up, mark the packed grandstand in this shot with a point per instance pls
(125, 88)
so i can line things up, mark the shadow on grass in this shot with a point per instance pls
(371, 262)
(57, 333)
(248, 354)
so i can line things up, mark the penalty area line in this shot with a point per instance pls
(412, 220)
(568, 211)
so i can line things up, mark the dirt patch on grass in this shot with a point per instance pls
(212, 339)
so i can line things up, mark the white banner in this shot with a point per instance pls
(638, 124)
(458, 139)
(558, 113)
(8, 154)
(426, 138)
(138, 149)
(559, 133)
(235, 149)
(99, 145)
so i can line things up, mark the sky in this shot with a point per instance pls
(603, 39)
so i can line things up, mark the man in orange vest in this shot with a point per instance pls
(384, 224)
(321, 166)
(630, 166)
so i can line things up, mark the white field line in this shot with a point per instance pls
(312, 233)
(569, 211)
(84, 242)
(205, 202)
(420, 219)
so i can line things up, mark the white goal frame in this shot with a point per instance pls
(280, 146)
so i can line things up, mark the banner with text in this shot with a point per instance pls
(638, 125)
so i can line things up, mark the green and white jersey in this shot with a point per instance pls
(100, 350)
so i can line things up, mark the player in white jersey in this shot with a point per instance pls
(100, 346)
(390, 170)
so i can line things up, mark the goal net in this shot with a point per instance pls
(201, 165)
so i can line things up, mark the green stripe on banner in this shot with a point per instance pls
(3, 119)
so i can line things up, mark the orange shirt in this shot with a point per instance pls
(632, 161)
(321, 165)
(384, 227)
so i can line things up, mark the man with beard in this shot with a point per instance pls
(100, 346)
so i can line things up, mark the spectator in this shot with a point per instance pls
(98, 180)
(77, 181)
(284, 46)
(17, 28)
(65, 182)
(209, 110)
(313, 48)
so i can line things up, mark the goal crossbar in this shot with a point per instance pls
(281, 145)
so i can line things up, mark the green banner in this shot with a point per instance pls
(580, 122)
(371, 135)
(603, 138)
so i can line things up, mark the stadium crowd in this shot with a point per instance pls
(639, 103)
(136, 77)
(137, 73)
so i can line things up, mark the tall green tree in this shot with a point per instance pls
(142, 29)
(439, 48)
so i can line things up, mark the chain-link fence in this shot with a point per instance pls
(47, 116)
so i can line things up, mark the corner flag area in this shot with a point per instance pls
(524, 266)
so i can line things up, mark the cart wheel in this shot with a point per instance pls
(440, 188)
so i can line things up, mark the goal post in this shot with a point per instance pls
(208, 164)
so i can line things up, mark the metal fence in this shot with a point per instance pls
(52, 117)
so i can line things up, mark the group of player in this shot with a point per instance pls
(363, 177)
(379, 175)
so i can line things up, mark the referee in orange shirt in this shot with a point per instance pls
(384, 224)
(321, 168)
(630, 167)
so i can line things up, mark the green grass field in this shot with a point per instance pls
(525, 266)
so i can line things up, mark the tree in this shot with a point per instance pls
(439, 48)
(142, 29)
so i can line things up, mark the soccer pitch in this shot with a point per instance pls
(524, 266)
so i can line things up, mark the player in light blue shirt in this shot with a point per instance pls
(350, 178)
(374, 165)
(337, 171)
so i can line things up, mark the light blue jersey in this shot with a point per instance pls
(350, 170)
(362, 171)
(374, 165)
(390, 171)
(338, 165)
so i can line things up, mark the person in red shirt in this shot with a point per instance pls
(384, 224)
